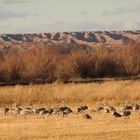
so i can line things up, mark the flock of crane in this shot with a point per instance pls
(124, 111)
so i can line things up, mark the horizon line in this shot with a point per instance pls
(117, 30)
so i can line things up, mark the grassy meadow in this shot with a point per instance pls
(102, 126)
(113, 92)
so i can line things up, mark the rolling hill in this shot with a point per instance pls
(95, 38)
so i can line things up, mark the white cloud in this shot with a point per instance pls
(123, 10)
(9, 15)
(8, 2)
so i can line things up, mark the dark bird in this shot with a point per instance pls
(60, 109)
(87, 116)
(40, 109)
(66, 111)
(125, 113)
(82, 108)
(99, 108)
(49, 111)
(7, 109)
(126, 107)
(116, 114)
(135, 107)
(28, 108)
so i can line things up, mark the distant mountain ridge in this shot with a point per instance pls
(90, 38)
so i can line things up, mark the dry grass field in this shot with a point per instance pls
(113, 92)
(102, 126)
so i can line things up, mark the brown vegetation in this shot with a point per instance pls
(56, 63)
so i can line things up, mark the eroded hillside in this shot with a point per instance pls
(104, 38)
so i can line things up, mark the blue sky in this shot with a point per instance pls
(25, 16)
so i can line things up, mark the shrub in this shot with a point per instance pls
(58, 63)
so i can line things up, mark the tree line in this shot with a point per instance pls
(65, 63)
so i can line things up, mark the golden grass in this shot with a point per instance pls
(113, 92)
(102, 126)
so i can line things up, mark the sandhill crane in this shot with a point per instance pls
(26, 112)
(6, 110)
(116, 114)
(135, 107)
(40, 109)
(16, 106)
(15, 111)
(87, 116)
(35, 111)
(125, 113)
(108, 108)
(42, 112)
(66, 111)
(111, 108)
(82, 108)
(49, 111)
(126, 107)
(99, 108)
(28, 108)
(59, 110)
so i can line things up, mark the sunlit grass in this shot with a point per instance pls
(113, 92)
